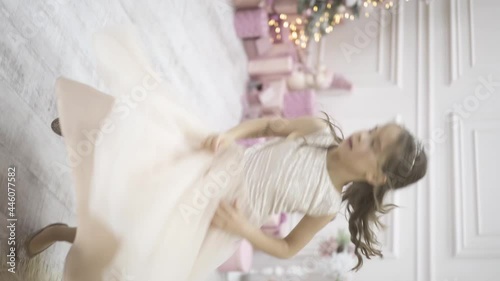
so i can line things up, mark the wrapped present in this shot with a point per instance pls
(340, 82)
(299, 103)
(285, 48)
(251, 23)
(252, 112)
(285, 6)
(270, 66)
(269, 6)
(246, 4)
(275, 225)
(241, 260)
(257, 47)
(271, 112)
(273, 95)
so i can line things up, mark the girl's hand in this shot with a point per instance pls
(230, 219)
(218, 142)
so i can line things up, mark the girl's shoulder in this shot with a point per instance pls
(323, 136)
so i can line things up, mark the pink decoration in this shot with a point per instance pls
(302, 103)
(275, 225)
(269, 6)
(328, 247)
(272, 221)
(340, 82)
(257, 47)
(241, 260)
(285, 6)
(273, 97)
(245, 4)
(281, 65)
(251, 23)
(282, 49)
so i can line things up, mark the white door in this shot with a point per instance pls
(436, 67)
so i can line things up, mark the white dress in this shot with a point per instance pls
(146, 192)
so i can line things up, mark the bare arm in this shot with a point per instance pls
(277, 127)
(290, 245)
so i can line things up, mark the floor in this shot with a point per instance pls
(192, 41)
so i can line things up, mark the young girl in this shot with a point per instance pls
(162, 198)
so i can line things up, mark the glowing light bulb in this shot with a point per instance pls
(374, 4)
(285, 24)
(294, 35)
(365, 4)
(346, 15)
(351, 17)
(315, 8)
(271, 22)
(298, 20)
(337, 18)
(283, 16)
(277, 30)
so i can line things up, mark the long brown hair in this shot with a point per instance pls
(406, 164)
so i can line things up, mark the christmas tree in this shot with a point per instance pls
(320, 16)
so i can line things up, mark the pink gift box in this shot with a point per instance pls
(285, 6)
(273, 96)
(251, 23)
(270, 66)
(282, 49)
(257, 47)
(241, 260)
(275, 226)
(299, 103)
(245, 4)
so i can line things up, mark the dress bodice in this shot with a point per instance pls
(291, 176)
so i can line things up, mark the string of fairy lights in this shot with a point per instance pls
(317, 18)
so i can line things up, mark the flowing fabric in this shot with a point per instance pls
(146, 191)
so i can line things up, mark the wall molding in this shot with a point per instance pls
(455, 39)
(468, 244)
(396, 44)
(476, 181)
(472, 35)
(457, 24)
(424, 268)
(457, 150)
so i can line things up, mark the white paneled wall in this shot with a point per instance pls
(434, 65)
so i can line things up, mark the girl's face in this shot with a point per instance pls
(364, 152)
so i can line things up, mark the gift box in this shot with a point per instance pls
(275, 225)
(285, 6)
(251, 23)
(257, 47)
(340, 82)
(299, 103)
(246, 4)
(270, 66)
(273, 95)
(281, 50)
(241, 260)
